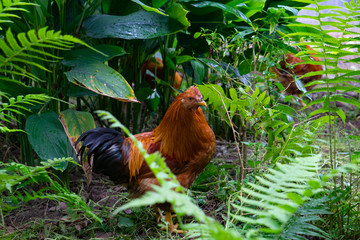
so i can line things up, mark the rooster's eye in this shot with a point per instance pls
(190, 98)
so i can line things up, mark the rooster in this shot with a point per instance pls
(157, 69)
(183, 138)
(287, 71)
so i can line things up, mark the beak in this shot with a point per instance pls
(202, 103)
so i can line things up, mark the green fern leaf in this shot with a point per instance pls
(12, 5)
(21, 50)
(279, 196)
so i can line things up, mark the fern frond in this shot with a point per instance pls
(24, 48)
(17, 105)
(279, 195)
(6, 7)
(333, 40)
(300, 222)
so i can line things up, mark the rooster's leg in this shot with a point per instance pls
(301, 101)
(158, 214)
(170, 225)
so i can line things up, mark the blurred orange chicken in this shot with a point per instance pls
(156, 68)
(288, 70)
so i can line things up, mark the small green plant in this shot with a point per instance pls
(15, 178)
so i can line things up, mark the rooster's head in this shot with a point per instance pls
(191, 99)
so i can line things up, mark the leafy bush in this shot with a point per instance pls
(15, 179)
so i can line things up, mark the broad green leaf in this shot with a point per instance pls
(177, 12)
(47, 136)
(91, 73)
(211, 63)
(260, 98)
(81, 56)
(254, 6)
(159, 3)
(76, 91)
(148, 8)
(103, 80)
(233, 94)
(199, 71)
(255, 94)
(76, 123)
(295, 197)
(314, 184)
(285, 109)
(138, 25)
(183, 58)
(16, 88)
(224, 7)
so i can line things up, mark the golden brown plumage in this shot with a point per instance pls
(156, 68)
(183, 138)
(288, 70)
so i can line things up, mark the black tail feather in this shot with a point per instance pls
(105, 145)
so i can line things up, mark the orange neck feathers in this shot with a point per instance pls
(182, 131)
(182, 134)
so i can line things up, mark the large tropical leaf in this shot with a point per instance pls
(176, 11)
(224, 7)
(47, 136)
(91, 73)
(81, 56)
(16, 88)
(138, 25)
(75, 123)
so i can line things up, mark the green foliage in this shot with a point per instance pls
(29, 46)
(7, 7)
(334, 50)
(15, 179)
(138, 25)
(75, 123)
(250, 106)
(286, 140)
(278, 196)
(11, 106)
(24, 59)
(305, 220)
(342, 200)
(230, 44)
(90, 72)
(49, 144)
(334, 39)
